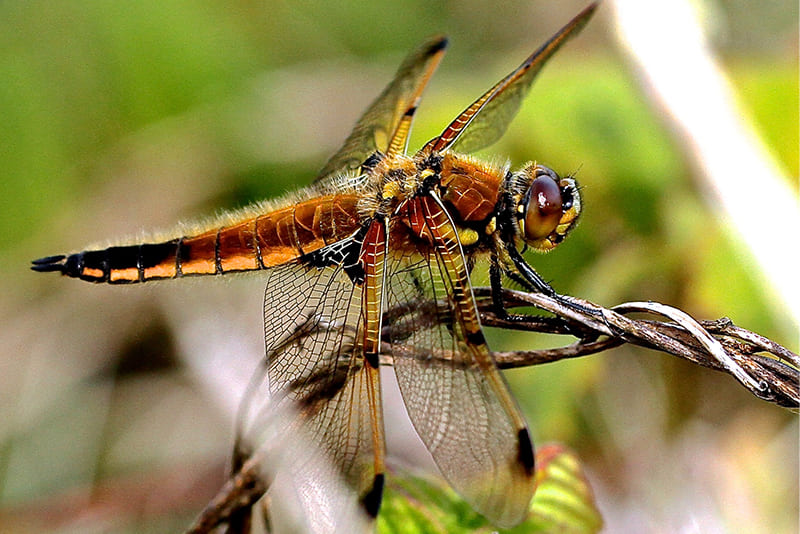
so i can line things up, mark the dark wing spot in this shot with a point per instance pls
(525, 453)
(372, 500)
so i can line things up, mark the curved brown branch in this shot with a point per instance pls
(765, 368)
(242, 490)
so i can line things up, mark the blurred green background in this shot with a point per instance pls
(115, 403)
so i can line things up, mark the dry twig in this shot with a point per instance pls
(768, 370)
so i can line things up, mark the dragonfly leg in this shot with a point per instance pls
(531, 281)
(496, 273)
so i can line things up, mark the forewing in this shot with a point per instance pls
(486, 119)
(313, 370)
(377, 126)
(456, 398)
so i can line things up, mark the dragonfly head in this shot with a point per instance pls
(548, 206)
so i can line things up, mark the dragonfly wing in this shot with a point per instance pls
(315, 371)
(307, 492)
(377, 128)
(456, 397)
(486, 119)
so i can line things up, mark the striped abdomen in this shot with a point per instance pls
(259, 242)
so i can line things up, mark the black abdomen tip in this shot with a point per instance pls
(50, 263)
(74, 265)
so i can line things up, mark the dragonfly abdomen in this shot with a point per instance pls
(259, 242)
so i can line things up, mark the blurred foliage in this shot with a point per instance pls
(563, 502)
(767, 92)
(118, 117)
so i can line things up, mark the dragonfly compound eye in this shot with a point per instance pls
(549, 209)
(543, 206)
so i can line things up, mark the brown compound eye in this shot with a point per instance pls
(543, 208)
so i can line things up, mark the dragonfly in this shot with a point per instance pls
(375, 258)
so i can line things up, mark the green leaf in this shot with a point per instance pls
(563, 502)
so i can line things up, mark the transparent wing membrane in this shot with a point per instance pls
(455, 396)
(486, 119)
(377, 127)
(313, 369)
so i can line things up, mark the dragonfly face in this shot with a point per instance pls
(374, 260)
